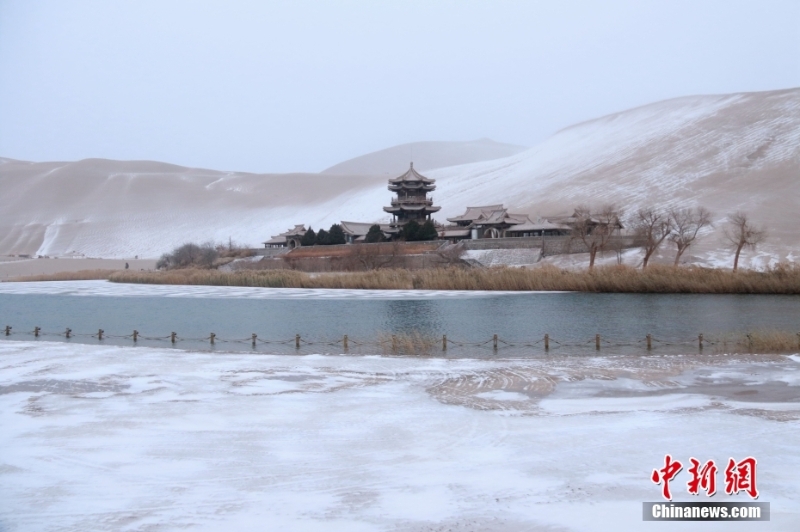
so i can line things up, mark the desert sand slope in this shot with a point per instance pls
(426, 156)
(727, 153)
(124, 208)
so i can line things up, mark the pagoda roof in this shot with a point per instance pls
(412, 207)
(411, 175)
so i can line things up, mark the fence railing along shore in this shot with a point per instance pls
(405, 343)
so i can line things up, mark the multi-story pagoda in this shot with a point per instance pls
(411, 202)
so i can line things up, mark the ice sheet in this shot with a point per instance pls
(112, 438)
(106, 288)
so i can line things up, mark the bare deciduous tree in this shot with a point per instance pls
(373, 256)
(742, 233)
(651, 227)
(686, 224)
(452, 254)
(189, 255)
(595, 230)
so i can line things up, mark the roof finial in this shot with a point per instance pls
(412, 164)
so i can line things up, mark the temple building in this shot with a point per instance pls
(355, 232)
(411, 201)
(290, 238)
(494, 221)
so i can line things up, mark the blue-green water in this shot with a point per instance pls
(516, 318)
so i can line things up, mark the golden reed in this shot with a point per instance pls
(655, 279)
(80, 275)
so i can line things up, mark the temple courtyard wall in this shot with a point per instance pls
(420, 255)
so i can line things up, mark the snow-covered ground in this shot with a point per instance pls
(725, 152)
(107, 288)
(113, 438)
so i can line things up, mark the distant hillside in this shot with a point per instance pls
(106, 208)
(727, 153)
(426, 156)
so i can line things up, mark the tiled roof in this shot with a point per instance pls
(473, 213)
(540, 225)
(297, 230)
(360, 228)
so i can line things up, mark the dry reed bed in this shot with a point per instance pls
(759, 341)
(80, 275)
(654, 279)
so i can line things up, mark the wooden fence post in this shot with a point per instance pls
(444, 342)
(8, 330)
(494, 342)
(344, 343)
(100, 334)
(649, 342)
(700, 341)
(172, 336)
(135, 335)
(547, 342)
(68, 332)
(211, 337)
(297, 341)
(253, 338)
(597, 342)
(36, 332)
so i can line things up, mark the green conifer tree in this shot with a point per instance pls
(336, 235)
(411, 231)
(374, 234)
(427, 231)
(323, 238)
(309, 239)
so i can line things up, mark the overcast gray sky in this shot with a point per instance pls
(274, 86)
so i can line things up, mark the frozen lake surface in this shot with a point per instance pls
(118, 438)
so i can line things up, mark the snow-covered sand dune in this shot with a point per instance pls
(727, 153)
(108, 438)
(429, 155)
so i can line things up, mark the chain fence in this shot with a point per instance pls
(403, 343)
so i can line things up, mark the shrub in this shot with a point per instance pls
(189, 255)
